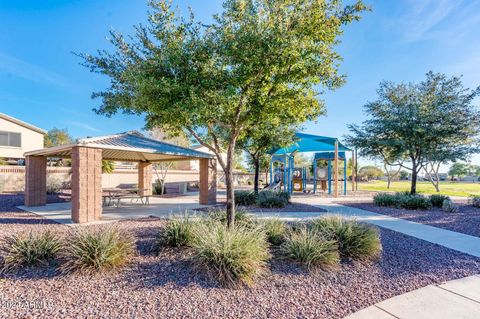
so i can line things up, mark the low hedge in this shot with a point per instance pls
(403, 200)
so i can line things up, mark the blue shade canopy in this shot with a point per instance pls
(310, 143)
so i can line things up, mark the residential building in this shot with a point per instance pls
(18, 137)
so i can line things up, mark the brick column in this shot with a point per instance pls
(208, 181)
(145, 178)
(35, 181)
(86, 184)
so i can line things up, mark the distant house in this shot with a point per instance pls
(18, 137)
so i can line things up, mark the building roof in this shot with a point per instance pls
(22, 123)
(311, 143)
(129, 146)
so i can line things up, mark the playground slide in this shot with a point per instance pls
(273, 186)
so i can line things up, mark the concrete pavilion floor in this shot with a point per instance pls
(159, 207)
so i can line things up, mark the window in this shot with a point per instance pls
(10, 139)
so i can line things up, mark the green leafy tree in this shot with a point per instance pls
(370, 172)
(56, 137)
(411, 125)
(460, 170)
(210, 81)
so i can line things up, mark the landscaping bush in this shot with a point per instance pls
(402, 200)
(245, 198)
(275, 229)
(449, 206)
(414, 202)
(305, 245)
(178, 232)
(437, 200)
(270, 199)
(54, 185)
(355, 240)
(30, 250)
(385, 200)
(97, 249)
(476, 201)
(242, 216)
(231, 256)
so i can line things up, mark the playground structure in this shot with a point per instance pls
(328, 153)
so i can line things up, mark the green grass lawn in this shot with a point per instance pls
(446, 188)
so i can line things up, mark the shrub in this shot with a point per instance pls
(232, 256)
(414, 202)
(437, 200)
(385, 200)
(242, 216)
(30, 250)
(449, 206)
(402, 200)
(97, 249)
(355, 240)
(245, 198)
(54, 185)
(476, 201)
(269, 199)
(178, 232)
(275, 229)
(305, 245)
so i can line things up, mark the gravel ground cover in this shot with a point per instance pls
(166, 286)
(466, 221)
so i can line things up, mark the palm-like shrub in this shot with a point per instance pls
(97, 249)
(245, 198)
(355, 240)
(233, 257)
(30, 249)
(178, 232)
(305, 245)
(275, 229)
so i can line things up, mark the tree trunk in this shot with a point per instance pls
(230, 190)
(256, 163)
(413, 189)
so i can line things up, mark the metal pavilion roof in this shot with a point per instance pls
(129, 146)
(311, 143)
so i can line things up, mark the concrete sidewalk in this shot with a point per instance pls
(456, 299)
(457, 241)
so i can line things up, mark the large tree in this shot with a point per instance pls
(210, 81)
(56, 137)
(416, 125)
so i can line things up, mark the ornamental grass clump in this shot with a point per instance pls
(242, 216)
(97, 249)
(450, 207)
(26, 250)
(275, 229)
(308, 247)
(178, 232)
(233, 257)
(355, 240)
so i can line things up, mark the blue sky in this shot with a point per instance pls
(41, 81)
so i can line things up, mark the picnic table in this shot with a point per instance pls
(113, 196)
